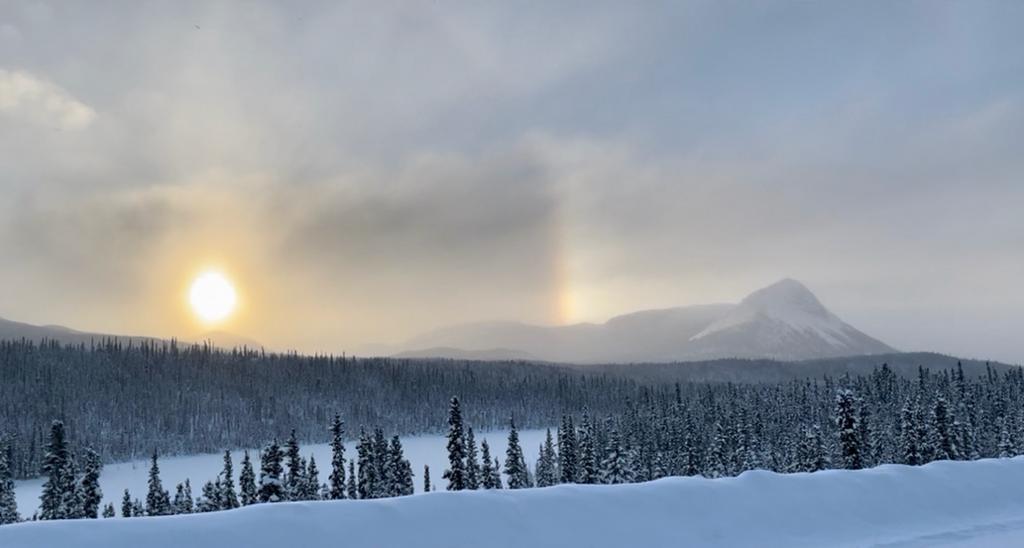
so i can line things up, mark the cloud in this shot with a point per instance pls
(28, 97)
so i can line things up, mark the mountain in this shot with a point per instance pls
(494, 354)
(783, 321)
(17, 330)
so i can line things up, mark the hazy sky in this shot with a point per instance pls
(366, 171)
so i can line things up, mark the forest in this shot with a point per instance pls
(712, 430)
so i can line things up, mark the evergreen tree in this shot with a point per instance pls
(158, 500)
(58, 487)
(209, 500)
(614, 467)
(89, 493)
(487, 471)
(108, 510)
(515, 463)
(547, 473)
(337, 477)
(496, 471)
(228, 496)
(126, 505)
(367, 482)
(311, 490)
(718, 455)
(941, 430)
(811, 453)
(351, 490)
(1006, 446)
(567, 451)
(271, 470)
(456, 472)
(472, 461)
(909, 445)
(295, 480)
(587, 472)
(247, 482)
(381, 462)
(183, 502)
(400, 470)
(426, 478)
(849, 435)
(8, 503)
(138, 509)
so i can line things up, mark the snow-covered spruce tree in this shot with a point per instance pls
(209, 499)
(716, 464)
(367, 481)
(351, 490)
(547, 474)
(587, 470)
(126, 505)
(615, 468)
(496, 479)
(108, 510)
(487, 472)
(58, 487)
(271, 470)
(941, 430)
(311, 490)
(515, 463)
(8, 502)
(811, 453)
(846, 419)
(401, 470)
(472, 461)
(295, 480)
(456, 472)
(88, 491)
(158, 500)
(336, 481)
(71, 501)
(248, 494)
(228, 496)
(138, 509)
(426, 478)
(567, 457)
(183, 503)
(909, 451)
(381, 488)
(1006, 447)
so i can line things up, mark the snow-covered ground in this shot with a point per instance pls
(941, 504)
(420, 450)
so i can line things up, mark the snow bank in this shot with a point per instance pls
(916, 506)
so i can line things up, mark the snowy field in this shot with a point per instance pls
(420, 450)
(959, 504)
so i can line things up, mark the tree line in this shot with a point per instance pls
(716, 431)
(129, 398)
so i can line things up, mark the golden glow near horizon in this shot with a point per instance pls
(212, 297)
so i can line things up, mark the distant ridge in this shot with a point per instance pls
(11, 330)
(783, 321)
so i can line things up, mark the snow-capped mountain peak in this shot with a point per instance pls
(784, 320)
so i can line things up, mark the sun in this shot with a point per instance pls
(212, 297)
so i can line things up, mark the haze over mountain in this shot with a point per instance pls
(783, 321)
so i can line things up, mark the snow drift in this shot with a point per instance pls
(937, 504)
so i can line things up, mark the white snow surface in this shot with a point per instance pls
(940, 504)
(426, 449)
